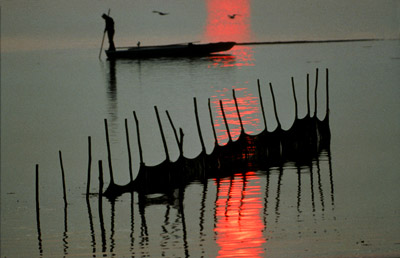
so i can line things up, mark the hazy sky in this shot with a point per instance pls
(57, 24)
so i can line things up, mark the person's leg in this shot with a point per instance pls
(111, 40)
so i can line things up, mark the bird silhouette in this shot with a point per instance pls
(160, 13)
(232, 16)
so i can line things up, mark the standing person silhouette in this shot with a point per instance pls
(110, 31)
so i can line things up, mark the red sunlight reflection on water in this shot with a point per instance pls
(238, 208)
(239, 56)
(249, 108)
(222, 28)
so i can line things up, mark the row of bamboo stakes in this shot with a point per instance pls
(179, 140)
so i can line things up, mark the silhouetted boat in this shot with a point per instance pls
(174, 50)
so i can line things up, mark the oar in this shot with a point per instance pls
(104, 35)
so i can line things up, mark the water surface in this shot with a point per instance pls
(342, 203)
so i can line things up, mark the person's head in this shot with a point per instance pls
(104, 16)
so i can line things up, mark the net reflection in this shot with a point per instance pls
(238, 212)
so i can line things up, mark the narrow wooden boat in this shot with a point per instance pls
(174, 50)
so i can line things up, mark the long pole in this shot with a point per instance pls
(109, 152)
(162, 134)
(138, 139)
(38, 212)
(104, 35)
(129, 149)
(198, 126)
(262, 105)
(63, 178)
(89, 166)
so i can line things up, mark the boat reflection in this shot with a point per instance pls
(239, 56)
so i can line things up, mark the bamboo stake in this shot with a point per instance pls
(39, 232)
(175, 133)
(316, 93)
(261, 104)
(129, 149)
(138, 138)
(101, 182)
(198, 126)
(37, 190)
(226, 123)
(162, 134)
(237, 110)
(109, 152)
(212, 122)
(274, 103)
(63, 178)
(327, 92)
(308, 95)
(89, 166)
(181, 139)
(295, 101)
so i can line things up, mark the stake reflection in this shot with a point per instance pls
(238, 214)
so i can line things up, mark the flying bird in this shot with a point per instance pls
(232, 16)
(160, 13)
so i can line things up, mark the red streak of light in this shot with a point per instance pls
(239, 225)
(248, 108)
(221, 28)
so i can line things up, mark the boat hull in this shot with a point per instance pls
(178, 50)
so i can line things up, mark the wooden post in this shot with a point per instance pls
(237, 110)
(181, 139)
(198, 126)
(37, 190)
(39, 232)
(315, 94)
(212, 122)
(274, 103)
(89, 166)
(109, 152)
(226, 123)
(63, 178)
(65, 236)
(327, 92)
(162, 134)
(175, 133)
(295, 101)
(129, 149)
(308, 95)
(101, 182)
(261, 104)
(138, 138)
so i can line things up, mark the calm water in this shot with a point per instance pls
(344, 203)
